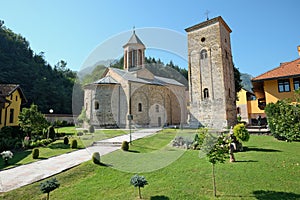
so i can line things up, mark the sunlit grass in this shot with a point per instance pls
(267, 169)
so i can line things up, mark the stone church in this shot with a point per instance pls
(135, 95)
(211, 75)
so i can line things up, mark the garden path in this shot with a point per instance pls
(13, 178)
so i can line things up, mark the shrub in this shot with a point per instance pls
(125, 146)
(51, 132)
(60, 134)
(48, 186)
(91, 129)
(80, 134)
(35, 153)
(74, 144)
(96, 158)
(66, 140)
(284, 120)
(33, 144)
(240, 132)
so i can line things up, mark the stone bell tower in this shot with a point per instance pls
(134, 53)
(211, 75)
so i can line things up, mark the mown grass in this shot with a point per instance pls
(24, 157)
(267, 169)
(58, 147)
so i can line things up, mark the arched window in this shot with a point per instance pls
(205, 93)
(140, 107)
(203, 54)
(96, 105)
(157, 108)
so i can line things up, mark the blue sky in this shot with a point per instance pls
(264, 32)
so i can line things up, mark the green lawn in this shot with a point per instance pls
(58, 147)
(267, 169)
(24, 157)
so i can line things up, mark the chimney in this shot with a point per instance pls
(299, 50)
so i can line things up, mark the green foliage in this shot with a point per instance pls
(49, 185)
(66, 140)
(35, 153)
(10, 137)
(241, 133)
(19, 64)
(96, 158)
(125, 146)
(51, 132)
(138, 181)
(91, 129)
(74, 144)
(82, 117)
(237, 80)
(199, 138)
(284, 120)
(32, 121)
(216, 149)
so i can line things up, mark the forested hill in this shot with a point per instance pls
(46, 86)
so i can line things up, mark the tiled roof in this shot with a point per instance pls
(134, 39)
(106, 80)
(8, 89)
(287, 69)
(156, 81)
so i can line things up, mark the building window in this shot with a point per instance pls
(96, 105)
(203, 54)
(205, 93)
(238, 110)
(157, 108)
(11, 115)
(16, 98)
(296, 83)
(140, 108)
(284, 85)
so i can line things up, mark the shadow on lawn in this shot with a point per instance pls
(59, 145)
(246, 161)
(133, 151)
(266, 195)
(260, 149)
(162, 197)
(20, 155)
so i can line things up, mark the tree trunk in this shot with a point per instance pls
(214, 180)
(140, 193)
(48, 195)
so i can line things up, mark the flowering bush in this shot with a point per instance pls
(6, 155)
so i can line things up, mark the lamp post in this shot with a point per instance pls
(130, 117)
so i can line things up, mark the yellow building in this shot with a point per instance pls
(276, 84)
(247, 107)
(11, 99)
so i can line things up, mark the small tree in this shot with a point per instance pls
(217, 151)
(138, 181)
(48, 186)
(32, 121)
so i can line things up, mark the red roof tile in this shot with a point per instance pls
(287, 69)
